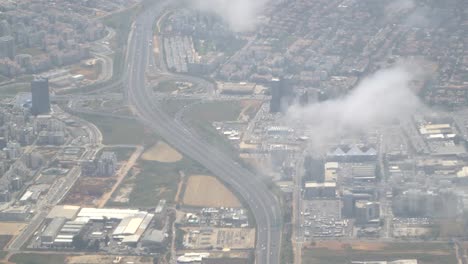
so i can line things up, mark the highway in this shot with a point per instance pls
(263, 204)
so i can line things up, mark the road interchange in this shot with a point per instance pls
(264, 205)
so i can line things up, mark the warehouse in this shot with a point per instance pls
(101, 213)
(52, 230)
(132, 228)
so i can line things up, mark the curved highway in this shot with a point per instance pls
(263, 204)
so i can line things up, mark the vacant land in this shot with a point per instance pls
(36, 258)
(10, 228)
(201, 118)
(215, 111)
(100, 259)
(152, 182)
(162, 152)
(249, 109)
(88, 190)
(335, 252)
(207, 191)
(120, 130)
(172, 106)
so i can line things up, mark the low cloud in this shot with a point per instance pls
(377, 100)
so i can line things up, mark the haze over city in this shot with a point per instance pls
(216, 131)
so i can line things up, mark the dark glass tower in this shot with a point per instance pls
(40, 96)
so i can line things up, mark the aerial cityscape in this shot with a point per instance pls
(234, 132)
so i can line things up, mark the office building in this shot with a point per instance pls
(281, 94)
(7, 47)
(40, 96)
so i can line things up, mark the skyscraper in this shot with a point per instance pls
(40, 96)
(275, 90)
(281, 94)
(7, 47)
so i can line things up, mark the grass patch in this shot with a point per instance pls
(172, 106)
(427, 253)
(166, 87)
(15, 88)
(120, 130)
(4, 239)
(33, 258)
(201, 116)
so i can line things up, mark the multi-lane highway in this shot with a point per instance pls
(264, 205)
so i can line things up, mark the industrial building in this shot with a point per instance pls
(363, 172)
(131, 228)
(40, 96)
(128, 225)
(366, 212)
(242, 88)
(352, 154)
(52, 230)
(20, 213)
(192, 257)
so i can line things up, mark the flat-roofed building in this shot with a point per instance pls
(52, 230)
(67, 211)
(320, 190)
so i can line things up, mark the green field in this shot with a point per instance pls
(201, 116)
(172, 106)
(120, 130)
(33, 258)
(425, 253)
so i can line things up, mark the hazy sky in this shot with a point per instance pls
(239, 14)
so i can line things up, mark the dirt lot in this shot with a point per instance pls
(249, 109)
(11, 228)
(101, 259)
(358, 245)
(207, 191)
(233, 238)
(162, 152)
(88, 190)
